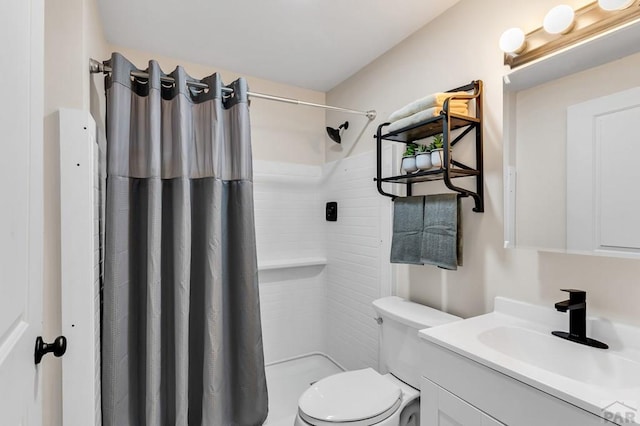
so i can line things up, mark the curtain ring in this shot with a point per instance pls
(137, 80)
(196, 91)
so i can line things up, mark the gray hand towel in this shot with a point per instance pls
(442, 236)
(408, 225)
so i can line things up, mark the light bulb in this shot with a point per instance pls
(512, 41)
(559, 20)
(615, 4)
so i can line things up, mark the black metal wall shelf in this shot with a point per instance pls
(430, 127)
(428, 176)
(444, 123)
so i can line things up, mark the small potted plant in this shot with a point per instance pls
(423, 157)
(437, 156)
(409, 158)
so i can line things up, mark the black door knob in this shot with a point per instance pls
(58, 347)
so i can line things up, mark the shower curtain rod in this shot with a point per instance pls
(98, 67)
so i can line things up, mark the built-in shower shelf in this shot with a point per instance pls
(291, 263)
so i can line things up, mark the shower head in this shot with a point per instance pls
(334, 134)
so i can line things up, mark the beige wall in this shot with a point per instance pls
(73, 34)
(460, 46)
(455, 49)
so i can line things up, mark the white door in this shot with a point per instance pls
(21, 115)
(603, 201)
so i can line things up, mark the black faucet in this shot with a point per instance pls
(577, 307)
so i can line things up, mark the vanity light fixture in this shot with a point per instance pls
(512, 41)
(559, 20)
(563, 27)
(615, 4)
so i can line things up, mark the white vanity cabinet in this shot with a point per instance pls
(458, 391)
(439, 407)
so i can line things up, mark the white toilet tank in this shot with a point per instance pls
(400, 351)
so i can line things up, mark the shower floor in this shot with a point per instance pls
(287, 380)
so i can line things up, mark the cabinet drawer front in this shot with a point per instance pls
(438, 407)
(499, 396)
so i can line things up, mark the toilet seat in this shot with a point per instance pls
(358, 398)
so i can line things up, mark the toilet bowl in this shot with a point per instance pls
(365, 397)
(359, 398)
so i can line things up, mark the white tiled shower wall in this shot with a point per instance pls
(357, 271)
(321, 308)
(289, 214)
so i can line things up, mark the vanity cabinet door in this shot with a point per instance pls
(439, 407)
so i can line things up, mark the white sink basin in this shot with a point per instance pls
(581, 363)
(516, 340)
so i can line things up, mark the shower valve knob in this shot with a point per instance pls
(58, 347)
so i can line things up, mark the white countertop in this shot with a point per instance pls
(516, 340)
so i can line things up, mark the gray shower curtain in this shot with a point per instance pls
(181, 333)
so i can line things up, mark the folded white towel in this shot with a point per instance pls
(422, 116)
(433, 100)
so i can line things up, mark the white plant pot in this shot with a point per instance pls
(423, 161)
(409, 164)
(437, 157)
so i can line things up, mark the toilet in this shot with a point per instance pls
(366, 397)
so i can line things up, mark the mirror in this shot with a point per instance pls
(572, 158)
